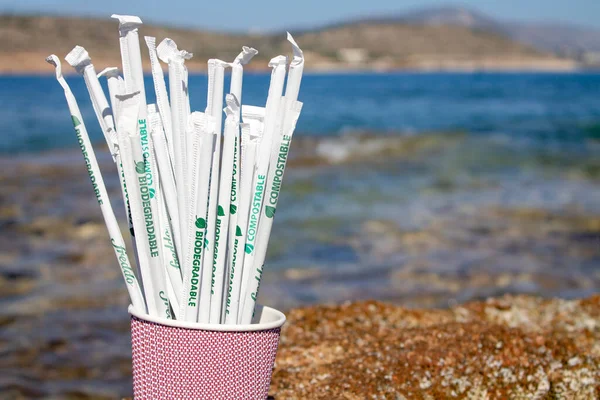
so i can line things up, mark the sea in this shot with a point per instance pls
(422, 189)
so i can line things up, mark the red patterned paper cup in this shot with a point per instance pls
(183, 360)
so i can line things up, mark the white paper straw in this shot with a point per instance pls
(160, 89)
(131, 58)
(292, 87)
(250, 136)
(264, 154)
(235, 88)
(168, 53)
(79, 59)
(289, 111)
(116, 86)
(144, 209)
(167, 181)
(222, 218)
(165, 236)
(214, 108)
(135, 294)
(203, 143)
(278, 162)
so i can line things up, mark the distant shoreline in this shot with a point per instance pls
(331, 70)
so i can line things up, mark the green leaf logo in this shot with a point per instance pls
(152, 193)
(238, 231)
(200, 223)
(220, 211)
(269, 211)
(76, 121)
(140, 167)
(232, 209)
(249, 248)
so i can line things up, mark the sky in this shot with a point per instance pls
(270, 15)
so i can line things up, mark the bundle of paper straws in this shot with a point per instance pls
(200, 194)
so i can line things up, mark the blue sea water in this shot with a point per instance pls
(543, 109)
(425, 189)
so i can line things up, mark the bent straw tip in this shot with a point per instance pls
(297, 50)
(127, 21)
(53, 59)
(278, 61)
(166, 50)
(78, 57)
(246, 55)
(109, 72)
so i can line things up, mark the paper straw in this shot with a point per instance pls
(292, 87)
(203, 143)
(135, 294)
(222, 218)
(134, 83)
(264, 154)
(278, 162)
(214, 108)
(167, 181)
(143, 204)
(250, 136)
(79, 59)
(165, 237)
(160, 89)
(129, 42)
(279, 152)
(168, 53)
(237, 72)
(116, 86)
(289, 113)
(235, 88)
(173, 281)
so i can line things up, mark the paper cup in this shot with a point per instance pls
(183, 360)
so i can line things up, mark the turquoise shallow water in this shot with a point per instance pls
(422, 189)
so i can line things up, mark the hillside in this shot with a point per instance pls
(26, 40)
(569, 40)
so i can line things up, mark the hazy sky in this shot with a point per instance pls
(278, 14)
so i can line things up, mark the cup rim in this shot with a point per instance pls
(276, 317)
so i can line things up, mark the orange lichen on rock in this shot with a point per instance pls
(512, 347)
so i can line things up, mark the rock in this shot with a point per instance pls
(512, 347)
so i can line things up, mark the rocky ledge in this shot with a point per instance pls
(511, 347)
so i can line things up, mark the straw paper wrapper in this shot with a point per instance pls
(167, 181)
(168, 53)
(292, 87)
(264, 154)
(235, 88)
(143, 204)
(79, 59)
(162, 99)
(203, 143)
(214, 108)
(116, 86)
(250, 137)
(223, 208)
(131, 57)
(278, 162)
(133, 288)
(165, 236)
